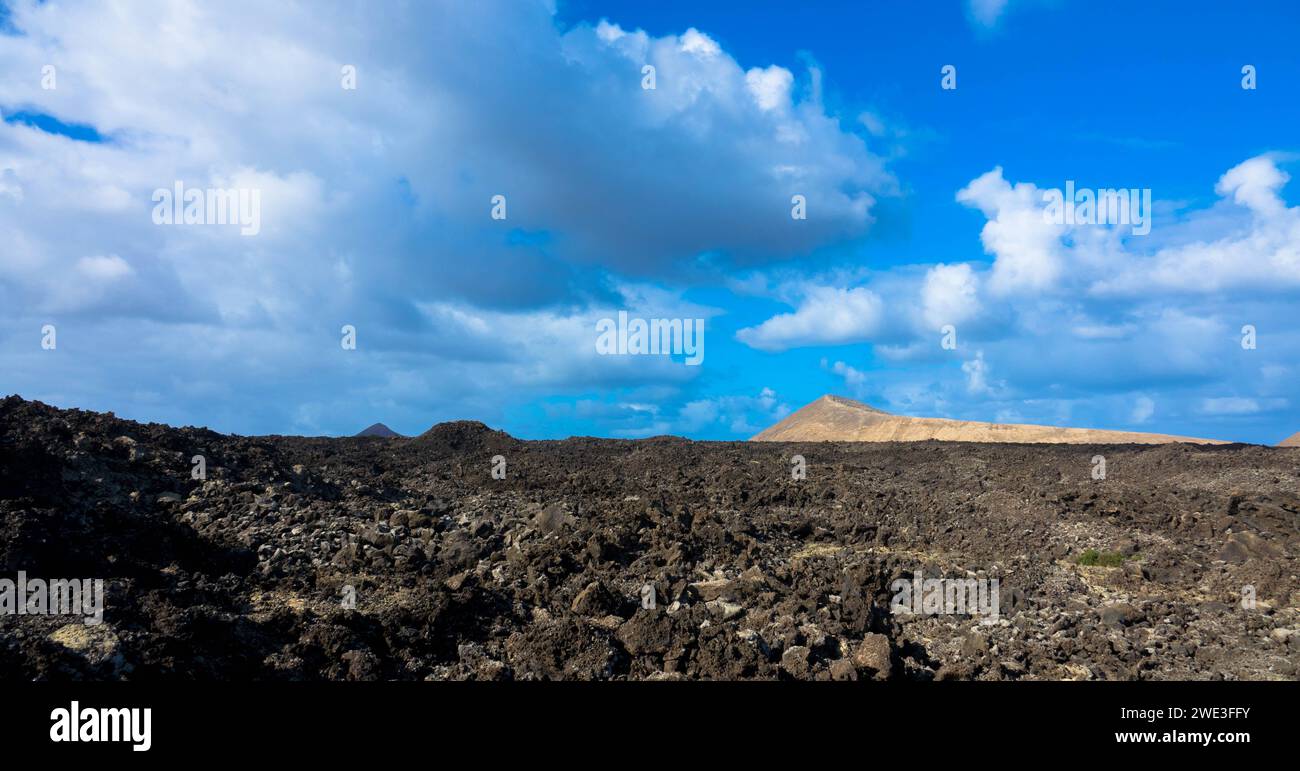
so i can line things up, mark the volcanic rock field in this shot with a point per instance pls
(370, 558)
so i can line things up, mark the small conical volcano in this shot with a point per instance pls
(464, 436)
(1291, 441)
(379, 430)
(836, 419)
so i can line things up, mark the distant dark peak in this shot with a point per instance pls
(379, 430)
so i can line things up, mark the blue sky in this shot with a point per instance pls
(923, 210)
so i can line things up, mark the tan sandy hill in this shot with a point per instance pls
(1291, 441)
(836, 419)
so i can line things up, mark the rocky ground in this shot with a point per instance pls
(250, 573)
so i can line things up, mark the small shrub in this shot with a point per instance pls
(1109, 559)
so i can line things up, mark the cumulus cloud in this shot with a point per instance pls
(770, 87)
(825, 316)
(1261, 249)
(1249, 241)
(1026, 247)
(1255, 184)
(376, 213)
(699, 44)
(375, 202)
(1085, 313)
(619, 177)
(855, 380)
(1254, 241)
(949, 295)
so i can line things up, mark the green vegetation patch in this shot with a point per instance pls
(1108, 559)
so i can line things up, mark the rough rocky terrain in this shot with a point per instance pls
(837, 419)
(251, 573)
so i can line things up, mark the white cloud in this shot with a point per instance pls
(608, 33)
(741, 415)
(770, 87)
(949, 295)
(987, 12)
(977, 375)
(102, 268)
(1255, 184)
(872, 123)
(1026, 247)
(826, 316)
(1103, 331)
(1237, 405)
(854, 379)
(376, 214)
(699, 44)
(376, 200)
(1254, 241)
(555, 348)
(1261, 250)
(1143, 408)
(425, 139)
(1082, 309)
(9, 187)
